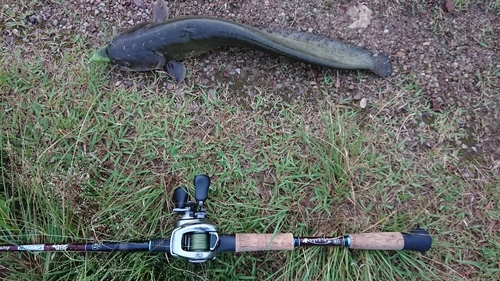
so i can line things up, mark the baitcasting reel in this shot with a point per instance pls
(194, 238)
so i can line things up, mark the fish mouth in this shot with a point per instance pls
(100, 56)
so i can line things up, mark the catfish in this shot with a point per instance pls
(162, 43)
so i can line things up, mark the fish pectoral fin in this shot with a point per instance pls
(160, 11)
(176, 69)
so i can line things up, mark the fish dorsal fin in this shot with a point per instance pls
(160, 11)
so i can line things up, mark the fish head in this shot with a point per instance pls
(129, 50)
(132, 57)
(141, 60)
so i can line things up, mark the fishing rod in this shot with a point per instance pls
(196, 239)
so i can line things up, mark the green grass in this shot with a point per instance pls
(84, 159)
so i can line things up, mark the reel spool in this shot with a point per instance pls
(198, 242)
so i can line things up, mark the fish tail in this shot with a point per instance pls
(382, 65)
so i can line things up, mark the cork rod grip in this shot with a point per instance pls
(416, 240)
(377, 241)
(264, 242)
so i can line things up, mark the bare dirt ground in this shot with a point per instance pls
(450, 57)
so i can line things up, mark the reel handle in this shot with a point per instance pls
(201, 184)
(180, 197)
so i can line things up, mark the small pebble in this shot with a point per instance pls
(33, 20)
(465, 173)
(363, 103)
(9, 39)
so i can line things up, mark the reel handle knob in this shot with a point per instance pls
(180, 197)
(201, 184)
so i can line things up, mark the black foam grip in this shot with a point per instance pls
(201, 183)
(227, 243)
(417, 240)
(180, 197)
(160, 245)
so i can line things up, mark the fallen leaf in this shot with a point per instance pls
(435, 105)
(358, 96)
(448, 6)
(361, 15)
(451, 168)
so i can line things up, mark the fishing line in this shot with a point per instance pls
(199, 242)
